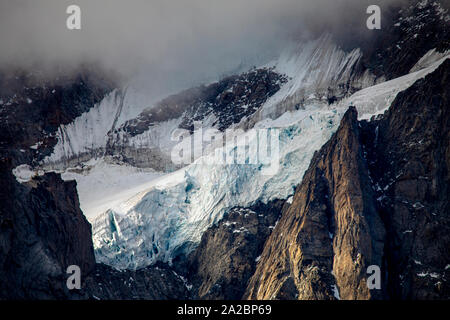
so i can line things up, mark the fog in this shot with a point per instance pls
(178, 41)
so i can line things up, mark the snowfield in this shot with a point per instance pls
(101, 184)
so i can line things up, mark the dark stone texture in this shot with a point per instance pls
(226, 257)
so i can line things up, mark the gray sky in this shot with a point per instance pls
(193, 39)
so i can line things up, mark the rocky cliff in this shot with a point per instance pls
(42, 229)
(330, 233)
(228, 253)
(408, 156)
(375, 194)
(409, 31)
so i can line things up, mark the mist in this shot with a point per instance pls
(182, 42)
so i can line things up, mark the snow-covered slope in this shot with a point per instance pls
(171, 215)
(319, 71)
(101, 184)
(87, 136)
(377, 99)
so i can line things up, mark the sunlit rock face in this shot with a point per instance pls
(376, 194)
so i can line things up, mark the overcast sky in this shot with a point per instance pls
(193, 39)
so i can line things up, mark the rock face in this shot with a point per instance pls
(158, 282)
(42, 229)
(408, 153)
(227, 255)
(331, 227)
(227, 101)
(410, 32)
(375, 194)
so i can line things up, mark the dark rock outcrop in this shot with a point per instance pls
(226, 257)
(42, 232)
(42, 229)
(158, 282)
(408, 152)
(408, 32)
(229, 100)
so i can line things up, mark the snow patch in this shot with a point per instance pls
(24, 173)
(335, 292)
(102, 185)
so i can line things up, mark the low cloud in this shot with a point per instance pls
(175, 40)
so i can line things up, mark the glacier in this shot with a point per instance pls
(102, 184)
(313, 68)
(169, 218)
(140, 216)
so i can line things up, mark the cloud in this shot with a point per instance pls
(172, 39)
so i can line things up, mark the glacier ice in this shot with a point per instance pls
(170, 217)
(143, 216)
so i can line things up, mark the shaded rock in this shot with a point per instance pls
(228, 101)
(227, 255)
(158, 282)
(42, 232)
(408, 33)
(408, 152)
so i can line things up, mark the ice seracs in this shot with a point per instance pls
(163, 222)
